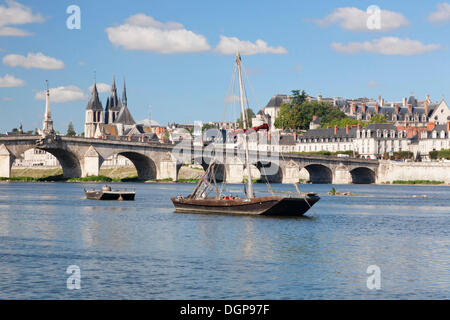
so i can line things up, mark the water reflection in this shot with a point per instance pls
(142, 249)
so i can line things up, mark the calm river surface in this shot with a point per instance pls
(143, 250)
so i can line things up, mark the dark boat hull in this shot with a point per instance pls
(110, 195)
(269, 206)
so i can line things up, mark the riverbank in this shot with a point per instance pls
(187, 174)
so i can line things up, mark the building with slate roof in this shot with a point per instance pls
(407, 112)
(113, 103)
(94, 114)
(115, 120)
(435, 138)
(272, 109)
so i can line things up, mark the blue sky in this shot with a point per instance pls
(186, 76)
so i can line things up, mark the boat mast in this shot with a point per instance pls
(250, 193)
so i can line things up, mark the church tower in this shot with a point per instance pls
(47, 127)
(94, 114)
(113, 105)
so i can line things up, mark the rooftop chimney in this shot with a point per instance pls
(410, 109)
(428, 98)
(364, 108)
(425, 104)
(358, 126)
(335, 129)
(377, 108)
(404, 102)
(448, 126)
(353, 108)
(397, 108)
(347, 128)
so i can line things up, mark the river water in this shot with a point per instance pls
(143, 250)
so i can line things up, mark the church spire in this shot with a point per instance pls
(113, 87)
(124, 94)
(94, 101)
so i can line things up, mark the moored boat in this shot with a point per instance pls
(106, 193)
(274, 205)
(270, 206)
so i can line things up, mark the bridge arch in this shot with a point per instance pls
(269, 171)
(362, 175)
(255, 172)
(145, 166)
(320, 174)
(220, 172)
(69, 162)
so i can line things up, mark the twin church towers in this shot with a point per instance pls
(116, 112)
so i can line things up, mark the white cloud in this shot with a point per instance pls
(143, 20)
(372, 84)
(354, 19)
(15, 13)
(141, 32)
(101, 87)
(11, 81)
(442, 13)
(7, 99)
(63, 94)
(298, 67)
(13, 32)
(229, 45)
(386, 46)
(33, 60)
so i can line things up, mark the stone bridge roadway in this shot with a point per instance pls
(81, 157)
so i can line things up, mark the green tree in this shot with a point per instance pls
(298, 97)
(378, 118)
(294, 116)
(70, 130)
(342, 123)
(250, 115)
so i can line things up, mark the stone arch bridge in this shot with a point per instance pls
(81, 157)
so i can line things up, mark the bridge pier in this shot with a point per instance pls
(167, 170)
(6, 160)
(234, 171)
(341, 175)
(91, 165)
(291, 173)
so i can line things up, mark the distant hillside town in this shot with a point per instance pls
(410, 128)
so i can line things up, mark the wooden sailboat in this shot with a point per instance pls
(199, 200)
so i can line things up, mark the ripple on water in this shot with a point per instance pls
(143, 250)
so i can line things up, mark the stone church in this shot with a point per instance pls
(115, 119)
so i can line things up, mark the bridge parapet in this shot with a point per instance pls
(84, 156)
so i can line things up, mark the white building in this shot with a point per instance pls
(36, 158)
